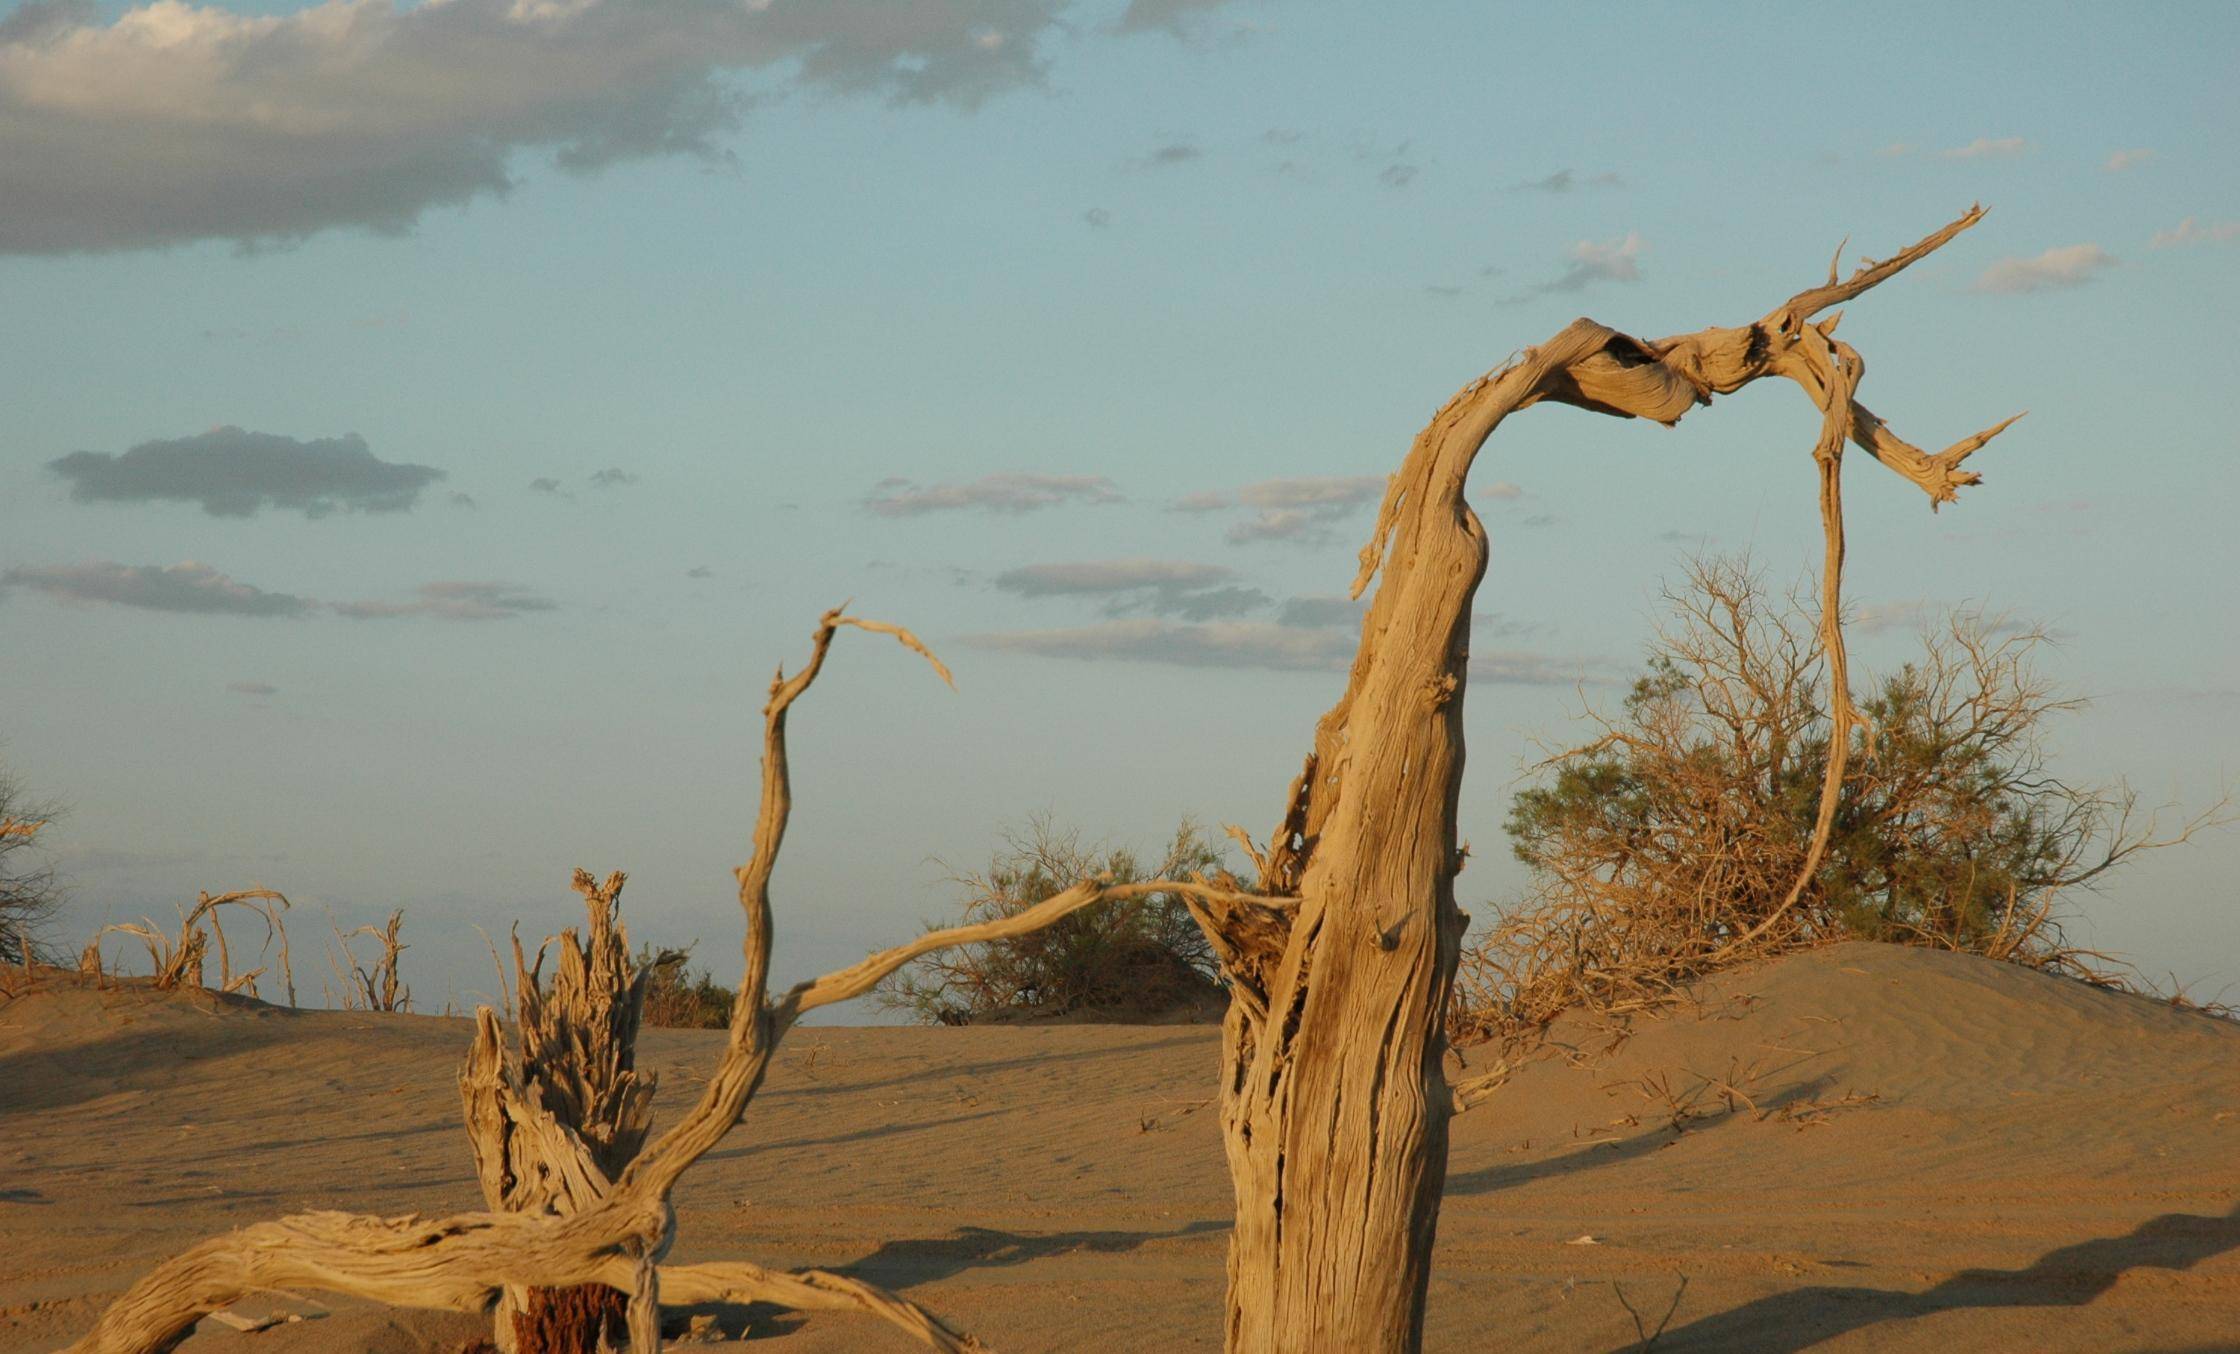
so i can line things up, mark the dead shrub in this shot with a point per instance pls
(1669, 845)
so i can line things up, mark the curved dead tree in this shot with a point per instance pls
(1334, 1101)
(563, 1221)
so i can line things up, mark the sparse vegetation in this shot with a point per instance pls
(371, 984)
(1138, 960)
(29, 890)
(679, 999)
(177, 961)
(1657, 848)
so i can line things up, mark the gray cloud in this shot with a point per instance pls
(2054, 270)
(613, 478)
(188, 588)
(1591, 262)
(1564, 180)
(1309, 613)
(990, 493)
(1169, 16)
(2128, 159)
(1249, 644)
(175, 123)
(700, 571)
(1301, 509)
(459, 500)
(548, 485)
(1196, 592)
(233, 473)
(1220, 644)
(1173, 153)
(258, 689)
(453, 601)
(1097, 218)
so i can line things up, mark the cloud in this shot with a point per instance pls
(1564, 180)
(1250, 645)
(1219, 644)
(614, 478)
(1176, 17)
(2057, 268)
(1398, 175)
(232, 473)
(1591, 262)
(1895, 149)
(1988, 148)
(1015, 492)
(258, 689)
(1312, 613)
(1874, 618)
(1302, 508)
(548, 485)
(1197, 592)
(1097, 218)
(1173, 153)
(188, 588)
(2193, 230)
(459, 500)
(453, 601)
(2127, 159)
(176, 123)
(699, 571)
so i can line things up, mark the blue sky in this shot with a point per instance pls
(1002, 319)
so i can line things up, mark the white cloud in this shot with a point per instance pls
(190, 588)
(2193, 230)
(453, 601)
(2127, 159)
(1988, 148)
(176, 122)
(898, 497)
(1592, 261)
(2055, 269)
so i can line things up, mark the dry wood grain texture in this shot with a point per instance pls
(621, 1228)
(1335, 1104)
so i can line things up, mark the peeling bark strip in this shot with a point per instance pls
(1334, 1099)
(558, 1221)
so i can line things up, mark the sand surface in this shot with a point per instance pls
(2041, 1167)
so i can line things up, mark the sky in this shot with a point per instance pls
(424, 429)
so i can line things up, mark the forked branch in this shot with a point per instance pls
(618, 1235)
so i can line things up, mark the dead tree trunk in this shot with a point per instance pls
(613, 1236)
(1334, 1100)
(553, 1127)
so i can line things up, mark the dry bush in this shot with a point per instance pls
(1669, 845)
(179, 961)
(371, 985)
(29, 890)
(679, 999)
(1143, 959)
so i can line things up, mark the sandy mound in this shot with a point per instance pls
(1924, 1151)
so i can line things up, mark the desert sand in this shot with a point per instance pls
(1924, 1151)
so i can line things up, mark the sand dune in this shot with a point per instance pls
(1924, 1151)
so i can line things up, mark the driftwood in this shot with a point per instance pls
(179, 962)
(1334, 1099)
(552, 1127)
(618, 1234)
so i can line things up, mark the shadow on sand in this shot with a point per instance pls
(2068, 1277)
(901, 1265)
